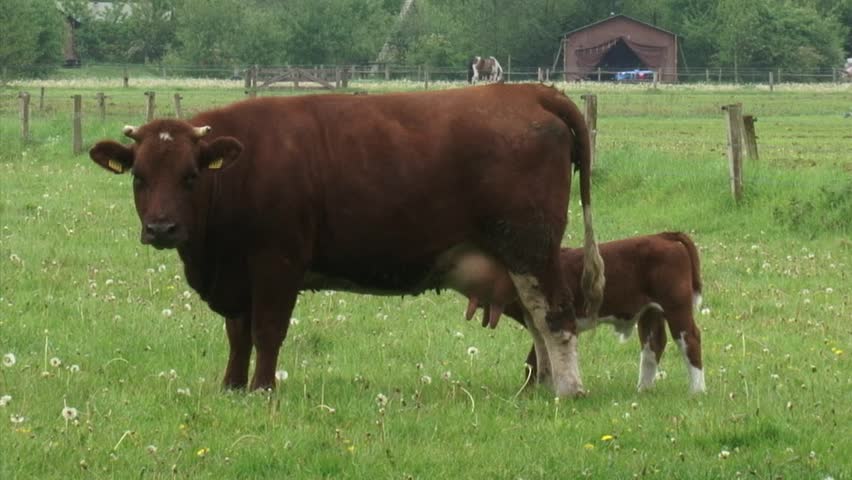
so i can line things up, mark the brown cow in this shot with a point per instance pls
(387, 194)
(648, 279)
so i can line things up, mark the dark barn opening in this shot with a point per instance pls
(619, 57)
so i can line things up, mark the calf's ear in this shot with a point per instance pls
(220, 153)
(112, 156)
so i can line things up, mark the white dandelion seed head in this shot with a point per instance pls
(661, 375)
(186, 294)
(167, 312)
(634, 405)
(69, 413)
(426, 380)
(341, 317)
(9, 360)
(55, 362)
(829, 290)
(173, 374)
(152, 449)
(458, 334)
(381, 400)
(4, 400)
(472, 351)
(74, 368)
(183, 391)
(724, 454)
(447, 375)
(705, 311)
(161, 268)
(282, 375)
(294, 321)
(17, 419)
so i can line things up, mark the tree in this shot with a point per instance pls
(31, 41)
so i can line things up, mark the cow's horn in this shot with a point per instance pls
(130, 131)
(199, 132)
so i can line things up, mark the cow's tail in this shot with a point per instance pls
(695, 264)
(592, 280)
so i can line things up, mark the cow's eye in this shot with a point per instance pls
(138, 182)
(189, 180)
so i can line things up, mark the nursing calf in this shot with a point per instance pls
(649, 280)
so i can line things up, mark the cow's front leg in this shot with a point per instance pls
(275, 286)
(240, 342)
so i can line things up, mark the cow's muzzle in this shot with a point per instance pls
(161, 235)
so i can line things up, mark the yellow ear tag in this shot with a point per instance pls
(216, 164)
(115, 166)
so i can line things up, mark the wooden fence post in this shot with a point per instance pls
(547, 74)
(178, 110)
(25, 116)
(720, 75)
(771, 83)
(426, 76)
(150, 105)
(707, 75)
(125, 78)
(591, 115)
(655, 78)
(387, 72)
(101, 105)
(599, 74)
(735, 148)
(750, 137)
(247, 79)
(338, 77)
(539, 77)
(345, 80)
(509, 70)
(41, 100)
(77, 126)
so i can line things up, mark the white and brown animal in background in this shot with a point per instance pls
(649, 280)
(482, 68)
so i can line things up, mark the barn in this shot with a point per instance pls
(617, 44)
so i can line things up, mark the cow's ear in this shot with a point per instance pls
(220, 153)
(113, 156)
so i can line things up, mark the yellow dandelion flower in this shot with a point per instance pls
(351, 448)
(607, 438)
(202, 452)
(589, 446)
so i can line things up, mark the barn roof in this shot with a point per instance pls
(612, 17)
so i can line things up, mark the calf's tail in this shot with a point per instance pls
(695, 263)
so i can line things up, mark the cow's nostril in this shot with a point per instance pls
(161, 228)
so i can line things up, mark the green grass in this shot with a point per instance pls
(75, 284)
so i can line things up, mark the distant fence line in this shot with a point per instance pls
(339, 73)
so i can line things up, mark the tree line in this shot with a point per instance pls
(795, 35)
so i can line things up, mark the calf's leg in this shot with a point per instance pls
(688, 339)
(652, 338)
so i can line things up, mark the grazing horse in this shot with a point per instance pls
(480, 68)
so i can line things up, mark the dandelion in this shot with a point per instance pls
(9, 360)
(426, 380)
(634, 405)
(152, 449)
(472, 351)
(4, 400)
(294, 321)
(186, 294)
(705, 311)
(836, 351)
(418, 366)
(661, 375)
(589, 446)
(69, 413)
(55, 362)
(381, 400)
(724, 454)
(446, 376)
(161, 268)
(17, 419)
(183, 391)
(458, 334)
(281, 375)
(607, 438)
(341, 318)
(167, 312)
(829, 290)
(202, 452)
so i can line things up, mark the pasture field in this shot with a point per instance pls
(388, 387)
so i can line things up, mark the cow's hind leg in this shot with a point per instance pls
(559, 343)
(538, 360)
(240, 343)
(652, 337)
